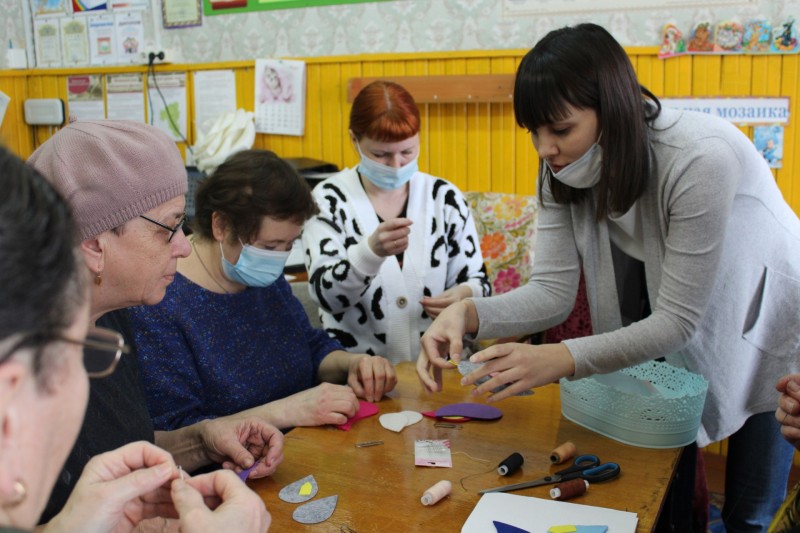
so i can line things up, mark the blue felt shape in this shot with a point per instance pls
(591, 529)
(507, 528)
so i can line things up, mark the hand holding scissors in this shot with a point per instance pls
(586, 466)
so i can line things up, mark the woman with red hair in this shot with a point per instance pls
(391, 246)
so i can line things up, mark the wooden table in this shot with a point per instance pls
(379, 487)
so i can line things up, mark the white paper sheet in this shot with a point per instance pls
(75, 41)
(102, 40)
(171, 119)
(125, 97)
(537, 514)
(129, 30)
(4, 101)
(85, 97)
(47, 35)
(214, 94)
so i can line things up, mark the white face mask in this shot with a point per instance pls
(584, 172)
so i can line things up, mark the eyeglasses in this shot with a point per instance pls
(102, 349)
(172, 231)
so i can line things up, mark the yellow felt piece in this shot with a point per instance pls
(562, 529)
(305, 490)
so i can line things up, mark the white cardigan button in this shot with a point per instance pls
(402, 302)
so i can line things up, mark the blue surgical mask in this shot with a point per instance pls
(256, 267)
(584, 172)
(384, 176)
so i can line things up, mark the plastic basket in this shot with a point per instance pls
(660, 408)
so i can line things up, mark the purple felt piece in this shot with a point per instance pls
(453, 419)
(244, 473)
(507, 528)
(365, 409)
(472, 410)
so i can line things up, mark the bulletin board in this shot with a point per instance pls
(225, 7)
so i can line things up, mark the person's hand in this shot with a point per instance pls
(326, 403)
(390, 237)
(119, 489)
(434, 305)
(788, 411)
(443, 340)
(237, 508)
(238, 441)
(371, 377)
(521, 366)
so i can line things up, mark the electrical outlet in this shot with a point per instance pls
(159, 55)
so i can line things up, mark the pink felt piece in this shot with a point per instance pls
(472, 410)
(365, 409)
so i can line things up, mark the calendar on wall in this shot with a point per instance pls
(280, 95)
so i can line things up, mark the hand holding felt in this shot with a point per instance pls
(365, 409)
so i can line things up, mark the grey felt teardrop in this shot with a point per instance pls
(292, 493)
(317, 511)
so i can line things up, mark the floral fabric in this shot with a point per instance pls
(506, 225)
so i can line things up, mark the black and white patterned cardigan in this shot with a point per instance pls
(368, 302)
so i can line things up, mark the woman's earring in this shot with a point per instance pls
(98, 278)
(20, 492)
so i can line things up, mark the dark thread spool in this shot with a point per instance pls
(569, 489)
(510, 464)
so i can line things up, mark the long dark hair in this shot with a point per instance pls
(42, 283)
(583, 66)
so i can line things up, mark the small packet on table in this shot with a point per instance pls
(432, 453)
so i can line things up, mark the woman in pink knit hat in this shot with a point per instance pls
(125, 182)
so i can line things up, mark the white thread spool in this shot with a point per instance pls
(435, 493)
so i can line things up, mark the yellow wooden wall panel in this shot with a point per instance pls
(706, 75)
(479, 172)
(476, 146)
(789, 175)
(348, 157)
(455, 127)
(433, 127)
(502, 147)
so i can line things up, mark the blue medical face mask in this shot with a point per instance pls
(384, 176)
(256, 267)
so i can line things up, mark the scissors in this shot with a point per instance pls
(585, 466)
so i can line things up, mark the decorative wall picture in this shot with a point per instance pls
(784, 37)
(280, 96)
(769, 142)
(756, 36)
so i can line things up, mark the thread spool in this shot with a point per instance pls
(563, 453)
(510, 464)
(569, 489)
(435, 493)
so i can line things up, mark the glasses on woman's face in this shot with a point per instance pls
(102, 349)
(172, 231)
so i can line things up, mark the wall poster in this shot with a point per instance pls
(224, 7)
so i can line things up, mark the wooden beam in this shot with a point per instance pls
(445, 89)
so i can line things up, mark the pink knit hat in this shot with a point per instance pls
(111, 171)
